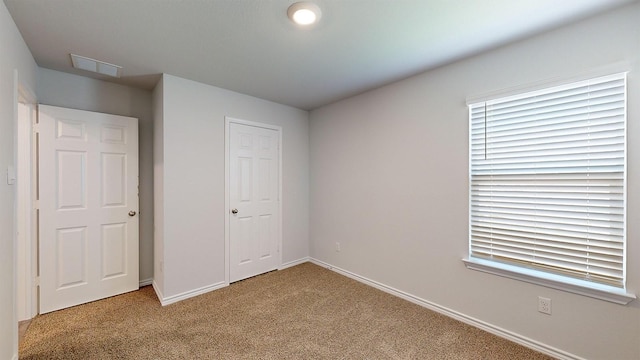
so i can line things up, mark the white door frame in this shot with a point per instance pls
(26, 267)
(227, 210)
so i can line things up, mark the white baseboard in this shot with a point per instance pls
(164, 301)
(294, 263)
(157, 291)
(495, 330)
(188, 294)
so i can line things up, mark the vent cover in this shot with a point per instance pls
(96, 66)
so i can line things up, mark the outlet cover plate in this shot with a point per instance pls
(544, 305)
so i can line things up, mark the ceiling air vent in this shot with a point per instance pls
(96, 66)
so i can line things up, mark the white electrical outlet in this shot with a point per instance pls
(544, 305)
(337, 247)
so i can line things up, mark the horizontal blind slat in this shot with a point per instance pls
(547, 171)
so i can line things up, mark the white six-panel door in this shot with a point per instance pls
(254, 223)
(88, 199)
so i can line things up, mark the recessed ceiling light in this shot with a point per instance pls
(304, 13)
(97, 66)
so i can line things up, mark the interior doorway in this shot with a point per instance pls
(253, 192)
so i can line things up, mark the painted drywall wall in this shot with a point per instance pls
(193, 163)
(78, 92)
(389, 181)
(15, 57)
(158, 187)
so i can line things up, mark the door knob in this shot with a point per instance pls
(234, 211)
(132, 213)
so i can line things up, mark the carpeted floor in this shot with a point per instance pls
(304, 312)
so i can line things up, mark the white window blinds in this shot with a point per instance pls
(547, 175)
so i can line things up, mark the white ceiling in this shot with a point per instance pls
(251, 47)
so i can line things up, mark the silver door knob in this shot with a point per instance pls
(234, 211)
(132, 213)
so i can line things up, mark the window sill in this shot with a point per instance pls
(581, 287)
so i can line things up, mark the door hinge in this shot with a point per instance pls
(36, 128)
(36, 204)
(36, 281)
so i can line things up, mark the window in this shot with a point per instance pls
(547, 192)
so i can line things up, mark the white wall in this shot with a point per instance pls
(15, 56)
(83, 93)
(193, 164)
(389, 181)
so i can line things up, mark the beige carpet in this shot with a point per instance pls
(304, 312)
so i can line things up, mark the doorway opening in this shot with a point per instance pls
(253, 198)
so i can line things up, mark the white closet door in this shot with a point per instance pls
(254, 234)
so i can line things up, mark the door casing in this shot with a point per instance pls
(26, 211)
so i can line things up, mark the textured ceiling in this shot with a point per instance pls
(251, 47)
